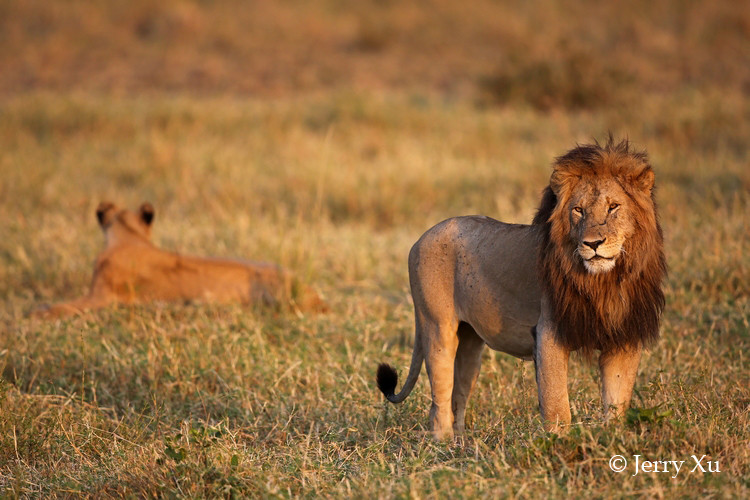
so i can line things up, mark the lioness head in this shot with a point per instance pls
(118, 223)
(603, 196)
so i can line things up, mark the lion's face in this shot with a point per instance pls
(603, 205)
(600, 222)
(119, 224)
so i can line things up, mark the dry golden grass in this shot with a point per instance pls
(336, 184)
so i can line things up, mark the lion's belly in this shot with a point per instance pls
(506, 335)
(504, 321)
(513, 338)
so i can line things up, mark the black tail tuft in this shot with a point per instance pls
(387, 379)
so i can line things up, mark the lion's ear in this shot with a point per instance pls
(147, 213)
(561, 180)
(101, 211)
(645, 180)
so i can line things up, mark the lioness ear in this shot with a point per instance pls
(645, 180)
(147, 213)
(101, 211)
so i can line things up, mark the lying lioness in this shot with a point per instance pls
(131, 269)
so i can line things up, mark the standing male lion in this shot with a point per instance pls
(585, 275)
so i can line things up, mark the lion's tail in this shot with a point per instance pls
(388, 378)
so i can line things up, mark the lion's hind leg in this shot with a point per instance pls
(465, 372)
(441, 344)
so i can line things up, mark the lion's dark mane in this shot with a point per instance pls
(581, 301)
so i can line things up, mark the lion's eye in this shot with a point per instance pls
(613, 206)
(578, 210)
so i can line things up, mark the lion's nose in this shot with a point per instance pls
(593, 244)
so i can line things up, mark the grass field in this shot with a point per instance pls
(336, 182)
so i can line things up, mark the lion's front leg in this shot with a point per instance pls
(618, 369)
(73, 307)
(551, 360)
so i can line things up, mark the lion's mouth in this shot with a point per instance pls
(599, 264)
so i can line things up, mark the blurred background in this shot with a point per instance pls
(542, 53)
